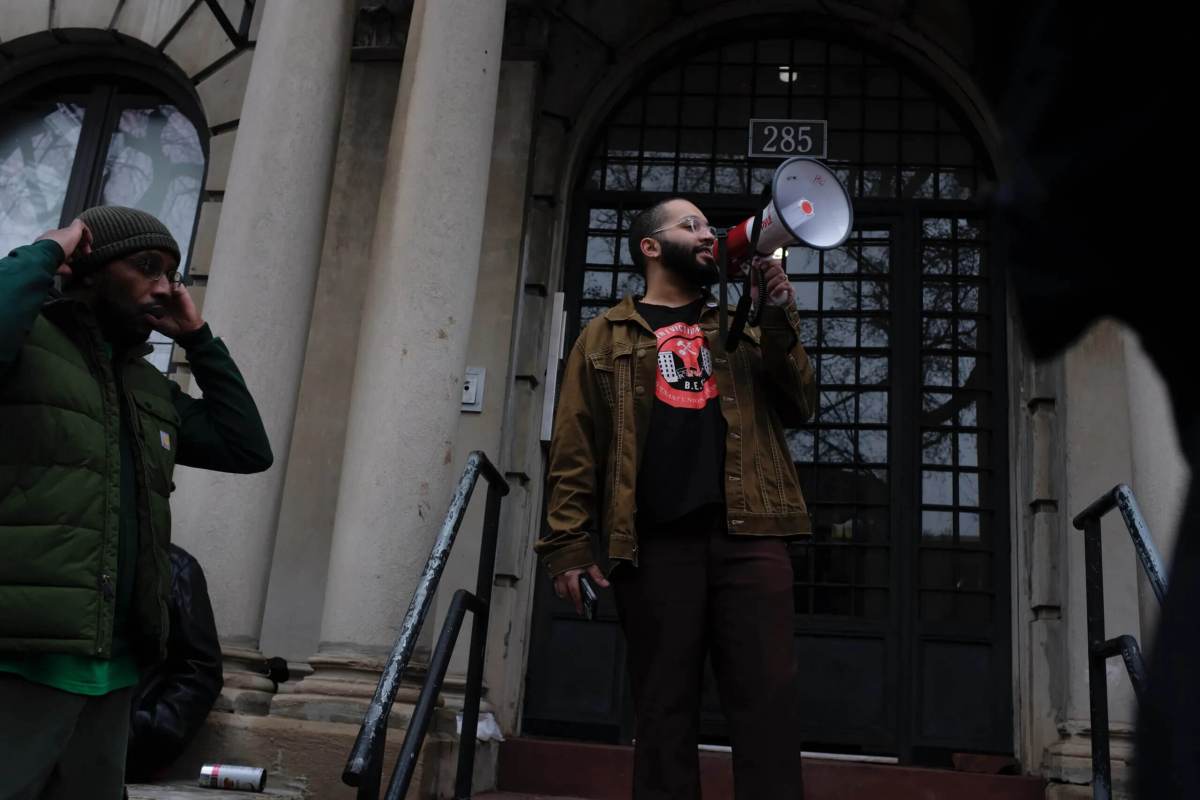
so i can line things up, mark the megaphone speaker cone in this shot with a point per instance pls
(809, 206)
(813, 204)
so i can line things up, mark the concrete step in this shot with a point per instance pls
(561, 769)
(276, 789)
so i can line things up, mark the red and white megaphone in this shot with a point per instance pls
(806, 205)
(809, 206)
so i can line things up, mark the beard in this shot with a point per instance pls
(690, 263)
(122, 322)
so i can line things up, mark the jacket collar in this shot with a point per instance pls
(65, 309)
(626, 311)
(627, 308)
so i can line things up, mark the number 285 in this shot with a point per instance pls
(787, 139)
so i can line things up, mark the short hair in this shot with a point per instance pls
(643, 225)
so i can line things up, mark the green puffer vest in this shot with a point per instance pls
(60, 476)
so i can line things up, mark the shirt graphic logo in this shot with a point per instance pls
(685, 367)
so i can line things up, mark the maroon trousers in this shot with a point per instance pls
(696, 591)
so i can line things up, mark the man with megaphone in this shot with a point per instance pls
(669, 464)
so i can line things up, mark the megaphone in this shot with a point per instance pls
(804, 204)
(808, 206)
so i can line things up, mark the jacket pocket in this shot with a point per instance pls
(602, 366)
(159, 424)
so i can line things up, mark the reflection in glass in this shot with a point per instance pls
(630, 283)
(600, 249)
(597, 284)
(936, 488)
(935, 448)
(836, 369)
(937, 524)
(872, 447)
(155, 163)
(37, 150)
(605, 218)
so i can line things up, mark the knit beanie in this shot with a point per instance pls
(118, 231)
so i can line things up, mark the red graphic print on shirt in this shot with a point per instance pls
(685, 367)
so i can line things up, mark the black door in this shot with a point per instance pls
(901, 594)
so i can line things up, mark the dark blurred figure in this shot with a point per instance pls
(1095, 207)
(174, 697)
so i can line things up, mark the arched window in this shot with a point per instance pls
(71, 138)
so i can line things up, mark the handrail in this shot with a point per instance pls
(1100, 649)
(364, 768)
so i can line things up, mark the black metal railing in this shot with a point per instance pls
(1101, 649)
(364, 769)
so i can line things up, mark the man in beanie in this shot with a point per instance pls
(90, 433)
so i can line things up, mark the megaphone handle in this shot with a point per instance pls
(747, 283)
(742, 312)
(756, 311)
(739, 322)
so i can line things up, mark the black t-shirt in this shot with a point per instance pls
(683, 464)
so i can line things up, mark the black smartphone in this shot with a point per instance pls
(588, 594)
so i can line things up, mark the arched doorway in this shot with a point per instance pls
(902, 595)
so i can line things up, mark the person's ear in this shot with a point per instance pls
(650, 247)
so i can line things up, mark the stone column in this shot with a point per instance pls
(296, 593)
(1099, 453)
(1160, 472)
(259, 300)
(405, 404)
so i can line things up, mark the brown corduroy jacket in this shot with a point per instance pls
(604, 412)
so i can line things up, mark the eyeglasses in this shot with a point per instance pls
(152, 266)
(694, 224)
